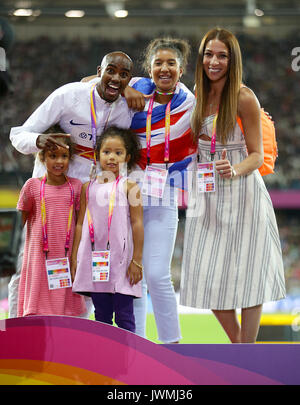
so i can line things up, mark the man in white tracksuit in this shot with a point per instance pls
(69, 106)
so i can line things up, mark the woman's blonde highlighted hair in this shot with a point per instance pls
(229, 98)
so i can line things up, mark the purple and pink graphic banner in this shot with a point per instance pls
(70, 351)
(285, 199)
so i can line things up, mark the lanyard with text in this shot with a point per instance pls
(43, 216)
(110, 212)
(206, 170)
(94, 127)
(213, 137)
(167, 129)
(93, 119)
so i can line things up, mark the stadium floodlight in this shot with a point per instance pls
(251, 20)
(258, 12)
(116, 9)
(121, 13)
(74, 13)
(23, 12)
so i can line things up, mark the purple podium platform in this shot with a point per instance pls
(54, 350)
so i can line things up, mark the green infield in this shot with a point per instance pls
(195, 328)
(204, 328)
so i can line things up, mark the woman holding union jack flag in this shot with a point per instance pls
(167, 152)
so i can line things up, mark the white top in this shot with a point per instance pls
(69, 106)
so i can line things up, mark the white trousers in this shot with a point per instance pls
(160, 229)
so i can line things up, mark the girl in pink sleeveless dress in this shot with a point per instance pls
(107, 253)
(37, 295)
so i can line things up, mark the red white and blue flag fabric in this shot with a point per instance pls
(182, 148)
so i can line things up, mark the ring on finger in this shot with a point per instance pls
(221, 171)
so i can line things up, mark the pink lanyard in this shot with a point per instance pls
(167, 128)
(213, 137)
(43, 216)
(110, 212)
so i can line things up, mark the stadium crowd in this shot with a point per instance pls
(39, 66)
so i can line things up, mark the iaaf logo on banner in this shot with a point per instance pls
(2, 60)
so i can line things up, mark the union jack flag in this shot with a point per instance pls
(182, 147)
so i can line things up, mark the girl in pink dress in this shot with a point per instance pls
(108, 244)
(49, 206)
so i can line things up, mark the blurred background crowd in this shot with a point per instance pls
(41, 65)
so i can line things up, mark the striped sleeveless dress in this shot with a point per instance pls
(34, 297)
(232, 254)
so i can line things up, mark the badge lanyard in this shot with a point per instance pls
(213, 137)
(110, 212)
(167, 128)
(43, 216)
(94, 120)
(206, 170)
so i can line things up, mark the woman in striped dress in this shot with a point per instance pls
(232, 255)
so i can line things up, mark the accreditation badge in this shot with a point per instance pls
(206, 179)
(58, 273)
(100, 265)
(154, 181)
